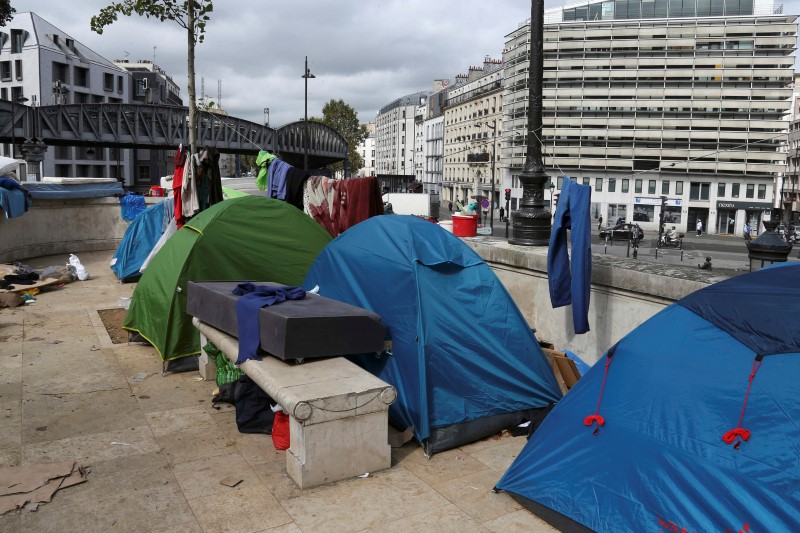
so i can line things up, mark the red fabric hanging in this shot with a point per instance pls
(177, 183)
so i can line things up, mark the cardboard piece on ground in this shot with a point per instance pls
(6, 269)
(36, 483)
(564, 368)
(230, 481)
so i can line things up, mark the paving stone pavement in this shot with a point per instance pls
(157, 449)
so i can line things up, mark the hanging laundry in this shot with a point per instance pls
(177, 184)
(189, 201)
(262, 162)
(572, 285)
(209, 181)
(276, 187)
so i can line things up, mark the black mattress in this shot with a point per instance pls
(295, 329)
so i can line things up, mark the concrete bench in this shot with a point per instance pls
(338, 412)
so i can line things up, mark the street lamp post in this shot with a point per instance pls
(532, 224)
(494, 143)
(266, 116)
(306, 77)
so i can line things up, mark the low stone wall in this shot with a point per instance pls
(53, 227)
(624, 293)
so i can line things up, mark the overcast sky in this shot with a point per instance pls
(365, 52)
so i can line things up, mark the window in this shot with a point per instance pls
(5, 70)
(3, 94)
(665, 187)
(699, 191)
(734, 190)
(144, 174)
(81, 76)
(17, 40)
(612, 185)
(637, 186)
(18, 68)
(651, 187)
(626, 185)
(720, 190)
(586, 181)
(108, 82)
(672, 215)
(750, 190)
(119, 84)
(598, 185)
(60, 73)
(679, 188)
(762, 191)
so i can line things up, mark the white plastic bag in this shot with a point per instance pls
(80, 270)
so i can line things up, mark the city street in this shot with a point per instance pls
(728, 253)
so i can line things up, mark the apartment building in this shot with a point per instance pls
(366, 149)
(150, 84)
(473, 129)
(652, 98)
(41, 65)
(394, 135)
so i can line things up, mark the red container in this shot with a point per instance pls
(465, 225)
(155, 190)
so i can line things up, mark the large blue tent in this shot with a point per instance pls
(690, 423)
(463, 360)
(137, 242)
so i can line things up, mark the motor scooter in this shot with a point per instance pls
(666, 242)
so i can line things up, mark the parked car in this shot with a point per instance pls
(621, 232)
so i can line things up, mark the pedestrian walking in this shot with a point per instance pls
(450, 206)
(502, 214)
(747, 231)
(699, 227)
(600, 223)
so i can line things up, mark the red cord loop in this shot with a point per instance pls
(591, 419)
(739, 434)
(731, 435)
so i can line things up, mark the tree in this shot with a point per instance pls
(344, 119)
(191, 15)
(6, 12)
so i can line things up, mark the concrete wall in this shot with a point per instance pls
(62, 227)
(624, 293)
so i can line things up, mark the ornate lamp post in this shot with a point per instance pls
(494, 143)
(532, 221)
(306, 76)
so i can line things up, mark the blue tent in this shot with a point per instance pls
(464, 361)
(700, 421)
(137, 243)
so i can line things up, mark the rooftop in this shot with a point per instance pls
(158, 449)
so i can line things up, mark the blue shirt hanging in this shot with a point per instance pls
(570, 284)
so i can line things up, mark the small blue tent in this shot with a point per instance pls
(699, 426)
(464, 361)
(137, 243)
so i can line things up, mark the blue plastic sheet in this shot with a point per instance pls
(132, 206)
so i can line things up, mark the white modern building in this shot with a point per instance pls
(394, 136)
(473, 131)
(366, 150)
(44, 65)
(652, 98)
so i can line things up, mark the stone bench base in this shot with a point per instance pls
(338, 412)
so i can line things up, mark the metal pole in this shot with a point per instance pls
(532, 221)
(305, 120)
(491, 206)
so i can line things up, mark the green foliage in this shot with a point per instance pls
(340, 116)
(248, 162)
(159, 9)
(6, 12)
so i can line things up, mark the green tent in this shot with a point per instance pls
(247, 238)
(230, 192)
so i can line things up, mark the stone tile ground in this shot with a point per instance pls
(157, 449)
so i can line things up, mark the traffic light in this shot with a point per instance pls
(508, 194)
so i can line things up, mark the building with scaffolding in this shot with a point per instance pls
(651, 98)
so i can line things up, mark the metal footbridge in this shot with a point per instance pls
(162, 126)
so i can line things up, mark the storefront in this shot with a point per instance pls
(741, 212)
